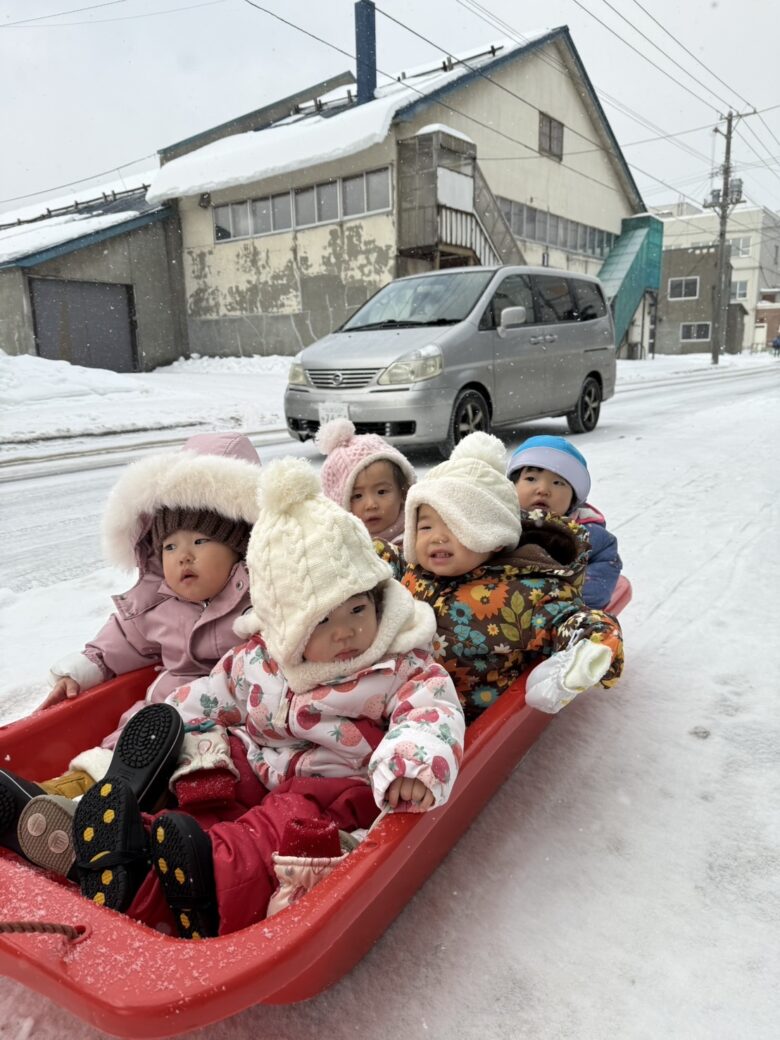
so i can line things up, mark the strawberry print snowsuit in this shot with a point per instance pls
(396, 716)
(333, 750)
(522, 605)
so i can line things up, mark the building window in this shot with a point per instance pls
(739, 290)
(353, 195)
(550, 136)
(683, 289)
(377, 190)
(261, 216)
(281, 211)
(222, 223)
(537, 225)
(694, 330)
(304, 207)
(740, 246)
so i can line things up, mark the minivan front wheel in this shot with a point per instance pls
(470, 413)
(586, 412)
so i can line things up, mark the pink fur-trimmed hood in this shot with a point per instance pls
(217, 471)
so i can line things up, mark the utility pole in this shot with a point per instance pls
(723, 202)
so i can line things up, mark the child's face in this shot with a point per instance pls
(543, 489)
(347, 632)
(195, 566)
(439, 551)
(376, 497)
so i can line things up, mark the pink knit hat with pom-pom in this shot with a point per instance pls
(349, 453)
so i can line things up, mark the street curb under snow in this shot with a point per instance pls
(69, 459)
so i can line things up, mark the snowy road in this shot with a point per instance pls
(625, 882)
(50, 524)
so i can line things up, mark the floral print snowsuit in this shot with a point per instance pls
(522, 605)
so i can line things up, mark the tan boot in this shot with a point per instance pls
(72, 784)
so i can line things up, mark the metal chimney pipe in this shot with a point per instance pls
(365, 50)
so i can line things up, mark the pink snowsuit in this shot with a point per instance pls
(217, 472)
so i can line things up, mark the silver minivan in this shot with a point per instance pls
(435, 356)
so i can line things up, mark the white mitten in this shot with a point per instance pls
(79, 667)
(557, 681)
(298, 875)
(208, 749)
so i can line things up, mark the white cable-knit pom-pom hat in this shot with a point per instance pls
(306, 556)
(471, 494)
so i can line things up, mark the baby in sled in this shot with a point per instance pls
(341, 711)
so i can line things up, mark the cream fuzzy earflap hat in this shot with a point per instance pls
(306, 555)
(472, 496)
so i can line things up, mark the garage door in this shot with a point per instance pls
(86, 323)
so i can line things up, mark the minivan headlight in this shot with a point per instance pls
(424, 363)
(297, 374)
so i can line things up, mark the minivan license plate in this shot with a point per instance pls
(331, 410)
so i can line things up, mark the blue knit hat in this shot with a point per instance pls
(557, 455)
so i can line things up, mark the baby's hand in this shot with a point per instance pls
(64, 688)
(404, 789)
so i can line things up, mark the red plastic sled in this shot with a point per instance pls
(131, 981)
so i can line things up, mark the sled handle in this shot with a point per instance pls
(43, 927)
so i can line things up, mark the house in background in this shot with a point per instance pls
(686, 304)
(754, 236)
(293, 215)
(767, 318)
(96, 283)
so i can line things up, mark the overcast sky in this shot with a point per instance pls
(88, 92)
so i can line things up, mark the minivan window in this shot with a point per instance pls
(589, 301)
(514, 291)
(440, 299)
(553, 299)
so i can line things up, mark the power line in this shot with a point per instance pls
(644, 57)
(58, 14)
(124, 18)
(589, 151)
(484, 75)
(666, 54)
(690, 53)
(422, 94)
(489, 18)
(81, 180)
(474, 7)
(690, 74)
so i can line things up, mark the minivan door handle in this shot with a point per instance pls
(535, 339)
(550, 339)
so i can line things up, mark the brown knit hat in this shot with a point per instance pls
(233, 533)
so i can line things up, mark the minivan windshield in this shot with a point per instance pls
(439, 299)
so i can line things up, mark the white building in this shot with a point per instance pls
(295, 214)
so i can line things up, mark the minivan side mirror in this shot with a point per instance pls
(511, 317)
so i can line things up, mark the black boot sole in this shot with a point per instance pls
(147, 753)
(112, 850)
(182, 857)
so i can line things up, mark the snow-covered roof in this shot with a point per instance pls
(433, 128)
(297, 142)
(25, 239)
(35, 229)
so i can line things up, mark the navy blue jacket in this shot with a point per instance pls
(604, 563)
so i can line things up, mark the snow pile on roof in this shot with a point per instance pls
(298, 141)
(79, 196)
(433, 128)
(24, 239)
(94, 208)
